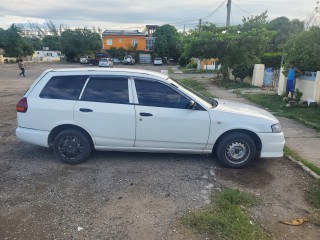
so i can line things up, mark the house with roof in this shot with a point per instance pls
(129, 39)
(46, 55)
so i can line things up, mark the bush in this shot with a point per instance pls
(242, 71)
(183, 61)
(192, 65)
(271, 60)
(303, 49)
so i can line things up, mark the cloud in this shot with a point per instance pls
(125, 13)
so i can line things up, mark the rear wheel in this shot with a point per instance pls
(72, 146)
(236, 150)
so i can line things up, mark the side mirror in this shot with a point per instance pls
(192, 105)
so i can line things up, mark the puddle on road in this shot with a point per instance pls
(252, 177)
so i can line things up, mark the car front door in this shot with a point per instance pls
(164, 120)
(104, 110)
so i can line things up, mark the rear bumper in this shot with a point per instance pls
(272, 144)
(33, 136)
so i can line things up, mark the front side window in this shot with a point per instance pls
(64, 87)
(152, 93)
(107, 89)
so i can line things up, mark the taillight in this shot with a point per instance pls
(22, 105)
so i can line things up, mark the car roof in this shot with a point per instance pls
(127, 71)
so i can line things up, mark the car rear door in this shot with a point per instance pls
(104, 110)
(164, 121)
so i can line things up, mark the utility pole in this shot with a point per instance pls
(200, 23)
(228, 12)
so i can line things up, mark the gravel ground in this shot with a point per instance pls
(117, 195)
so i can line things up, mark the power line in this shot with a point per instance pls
(274, 2)
(215, 10)
(241, 8)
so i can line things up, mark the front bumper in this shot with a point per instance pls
(272, 144)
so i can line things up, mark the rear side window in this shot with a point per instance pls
(64, 87)
(107, 89)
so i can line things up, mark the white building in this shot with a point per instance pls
(46, 56)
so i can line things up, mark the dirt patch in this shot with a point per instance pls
(128, 195)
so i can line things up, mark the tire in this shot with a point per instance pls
(236, 150)
(72, 146)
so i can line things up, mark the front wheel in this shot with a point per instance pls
(236, 150)
(72, 146)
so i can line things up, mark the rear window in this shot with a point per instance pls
(64, 87)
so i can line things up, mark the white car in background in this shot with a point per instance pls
(74, 111)
(84, 59)
(105, 62)
(128, 60)
(157, 61)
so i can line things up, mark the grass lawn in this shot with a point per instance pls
(226, 217)
(305, 115)
(196, 86)
(192, 70)
(234, 85)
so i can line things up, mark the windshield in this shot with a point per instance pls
(208, 102)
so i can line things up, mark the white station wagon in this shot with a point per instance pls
(74, 111)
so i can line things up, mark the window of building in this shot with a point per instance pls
(109, 42)
(120, 40)
(134, 42)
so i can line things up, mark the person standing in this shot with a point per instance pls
(21, 67)
(291, 81)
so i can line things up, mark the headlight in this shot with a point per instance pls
(276, 128)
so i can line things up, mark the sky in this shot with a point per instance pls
(134, 15)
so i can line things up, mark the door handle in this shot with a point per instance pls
(145, 114)
(85, 110)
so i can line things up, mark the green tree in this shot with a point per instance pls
(113, 52)
(167, 44)
(242, 71)
(117, 52)
(242, 44)
(75, 43)
(35, 42)
(53, 42)
(284, 29)
(303, 49)
(2, 38)
(13, 44)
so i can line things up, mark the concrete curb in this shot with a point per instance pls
(305, 168)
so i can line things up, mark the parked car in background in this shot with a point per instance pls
(84, 59)
(98, 56)
(157, 61)
(128, 60)
(105, 62)
(116, 61)
(74, 111)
